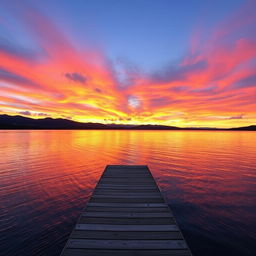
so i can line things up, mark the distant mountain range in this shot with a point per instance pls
(21, 122)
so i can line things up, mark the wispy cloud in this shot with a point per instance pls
(25, 113)
(76, 77)
(216, 78)
(236, 117)
(9, 76)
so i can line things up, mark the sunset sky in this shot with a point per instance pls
(172, 62)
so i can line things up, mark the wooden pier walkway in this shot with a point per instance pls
(126, 216)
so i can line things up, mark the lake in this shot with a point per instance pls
(208, 178)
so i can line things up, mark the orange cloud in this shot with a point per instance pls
(214, 85)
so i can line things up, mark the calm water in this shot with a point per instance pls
(208, 177)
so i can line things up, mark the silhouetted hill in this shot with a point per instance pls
(20, 122)
(246, 128)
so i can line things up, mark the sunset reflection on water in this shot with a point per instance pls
(208, 177)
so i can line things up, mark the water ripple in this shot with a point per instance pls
(207, 177)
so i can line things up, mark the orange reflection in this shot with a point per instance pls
(207, 88)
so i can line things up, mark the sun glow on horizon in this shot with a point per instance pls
(214, 85)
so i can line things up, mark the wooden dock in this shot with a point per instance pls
(126, 215)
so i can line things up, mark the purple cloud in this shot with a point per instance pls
(163, 101)
(236, 117)
(76, 77)
(42, 114)
(15, 78)
(98, 90)
(25, 113)
(249, 81)
(173, 73)
(124, 72)
(18, 51)
(178, 89)
(208, 90)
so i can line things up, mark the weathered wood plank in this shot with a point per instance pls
(127, 199)
(130, 194)
(126, 190)
(141, 184)
(126, 195)
(102, 252)
(126, 167)
(127, 171)
(127, 214)
(126, 175)
(127, 181)
(127, 209)
(127, 204)
(127, 221)
(118, 180)
(106, 227)
(128, 235)
(125, 187)
(126, 244)
(121, 166)
(123, 171)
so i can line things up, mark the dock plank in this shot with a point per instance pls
(126, 215)
(128, 235)
(126, 244)
(127, 194)
(127, 221)
(127, 204)
(93, 252)
(127, 199)
(127, 209)
(132, 187)
(106, 227)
